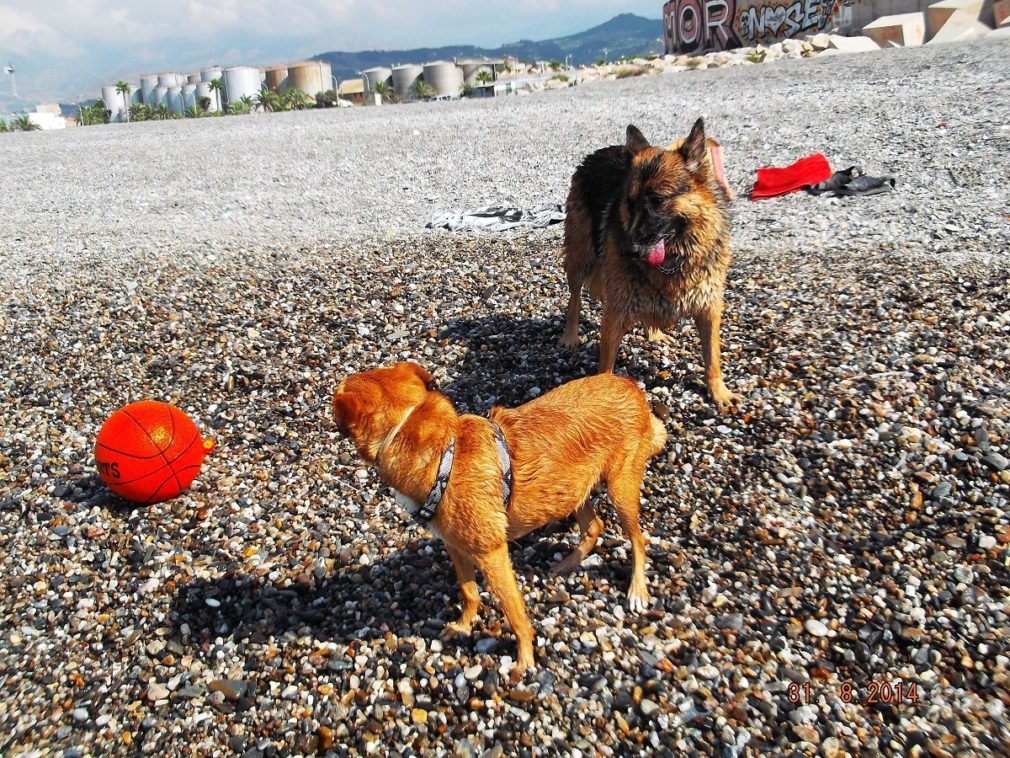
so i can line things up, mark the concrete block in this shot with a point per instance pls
(822, 41)
(904, 29)
(851, 44)
(1001, 13)
(962, 13)
(957, 31)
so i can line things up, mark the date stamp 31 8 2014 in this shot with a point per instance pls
(873, 692)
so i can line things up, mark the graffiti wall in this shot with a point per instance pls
(698, 26)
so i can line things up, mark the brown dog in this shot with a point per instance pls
(647, 233)
(556, 447)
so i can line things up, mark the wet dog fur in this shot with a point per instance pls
(624, 201)
(562, 444)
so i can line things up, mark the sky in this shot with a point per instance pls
(64, 49)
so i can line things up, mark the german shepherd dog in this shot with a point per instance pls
(647, 233)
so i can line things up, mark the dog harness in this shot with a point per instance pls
(429, 508)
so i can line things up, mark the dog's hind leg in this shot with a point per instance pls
(623, 485)
(469, 592)
(592, 528)
(579, 261)
(497, 569)
(570, 338)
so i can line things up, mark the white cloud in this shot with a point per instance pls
(21, 33)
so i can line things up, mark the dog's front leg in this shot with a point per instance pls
(497, 569)
(468, 590)
(709, 323)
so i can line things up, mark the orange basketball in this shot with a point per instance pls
(149, 451)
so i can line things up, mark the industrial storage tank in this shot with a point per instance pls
(147, 85)
(276, 78)
(311, 77)
(241, 81)
(168, 80)
(445, 77)
(404, 78)
(159, 96)
(472, 69)
(377, 75)
(210, 74)
(189, 97)
(193, 78)
(113, 102)
(203, 90)
(173, 99)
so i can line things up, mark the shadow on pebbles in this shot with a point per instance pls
(828, 565)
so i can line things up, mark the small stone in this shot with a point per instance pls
(472, 672)
(80, 714)
(986, 542)
(708, 671)
(325, 738)
(732, 621)
(156, 691)
(806, 733)
(943, 489)
(648, 707)
(419, 715)
(232, 689)
(816, 628)
(995, 461)
(486, 645)
(520, 695)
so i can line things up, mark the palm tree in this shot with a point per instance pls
(192, 112)
(217, 87)
(247, 103)
(140, 112)
(268, 101)
(295, 99)
(483, 76)
(161, 112)
(25, 124)
(3, 126)
(124, 89)
(383, 90)
(423, 90)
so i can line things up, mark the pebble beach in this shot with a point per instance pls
(829, 565)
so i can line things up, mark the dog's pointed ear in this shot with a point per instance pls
(636, 141)
(693, 151)
(420, 372)
(345, 411)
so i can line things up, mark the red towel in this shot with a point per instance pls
(778, 181)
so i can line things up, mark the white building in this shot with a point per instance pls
(46, 120)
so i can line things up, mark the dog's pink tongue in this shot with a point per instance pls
(658, 254)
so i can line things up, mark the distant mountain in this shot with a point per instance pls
(623, 35)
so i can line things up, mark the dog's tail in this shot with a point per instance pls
(657, 441)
